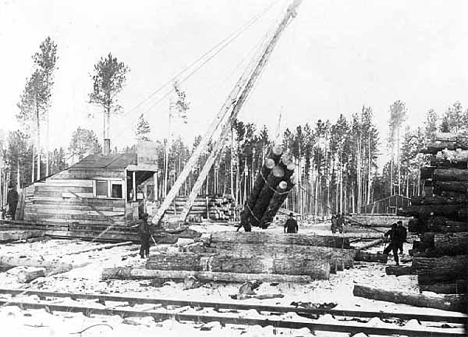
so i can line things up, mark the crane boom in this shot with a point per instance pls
(233, 104)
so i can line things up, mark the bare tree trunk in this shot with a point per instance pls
(398, 161)
(47, 143)
(233, 194)
(38, 143)
(32, 164)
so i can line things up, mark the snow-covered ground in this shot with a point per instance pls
(85, 278)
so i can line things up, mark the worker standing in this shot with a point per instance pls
(402, 233)
(145, 234)
(291, 225)
(395, 242)
(12, 201)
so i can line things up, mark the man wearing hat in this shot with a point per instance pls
(12, 201)
(145, 234)
(291, 225)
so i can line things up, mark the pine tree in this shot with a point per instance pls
(143, 129)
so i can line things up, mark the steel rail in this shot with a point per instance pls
(453, 317)
(229, 318)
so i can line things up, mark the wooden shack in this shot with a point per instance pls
(98, 190)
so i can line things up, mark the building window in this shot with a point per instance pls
(116, 191)
(101, 188)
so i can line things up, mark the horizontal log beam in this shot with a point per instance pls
(142, 274)
(280, 238)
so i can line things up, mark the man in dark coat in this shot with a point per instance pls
(402, 234)
(291, 225)
(12, 201)
(395, 242)
(145, 234)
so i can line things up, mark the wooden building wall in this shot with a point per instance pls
(69, 197)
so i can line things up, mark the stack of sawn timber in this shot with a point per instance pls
(236, 256)
(441, 218)
(271, 187)
(209, 207)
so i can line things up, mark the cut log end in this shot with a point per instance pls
(269, 163)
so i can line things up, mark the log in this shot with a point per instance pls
(338, 255)
(444, 163)
(27, 274)
(277, 200)
(417, 225)
(436, 301)
(451, 174)
(370, 257)
(457, 287)
(444, 225)
(371, 244)
(280, 238)
(9, 236)
(460, 137)
(455, 212)
(453, 156)
(50, 266)
(128, 273)
(441, 269)
(450, 186)
(399, 270)
(438, 200)
(315, 268)
(274, 178)
(435, 147)
(451, 244)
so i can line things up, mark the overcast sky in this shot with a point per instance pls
(335, 57)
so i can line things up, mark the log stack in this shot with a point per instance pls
(208, 207)
(441, 217)
(272, 185)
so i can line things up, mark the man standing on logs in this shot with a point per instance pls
(291, 225)
(395, 242)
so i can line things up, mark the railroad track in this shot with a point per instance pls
(348, 321)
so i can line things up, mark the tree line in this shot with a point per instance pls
(336, 161)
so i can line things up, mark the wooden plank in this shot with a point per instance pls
(70, 195)
(41, 187)
(70, 182)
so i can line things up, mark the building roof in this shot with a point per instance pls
(111, 161)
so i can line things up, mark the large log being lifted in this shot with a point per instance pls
(276, 201)
(288, 239)
(274, 178)
(127, 273)
(436, 301)
(446, 268)
(315, 268)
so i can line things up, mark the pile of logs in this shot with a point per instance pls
(210, 207)
(240, 257)
(441, 219)
(271, 188)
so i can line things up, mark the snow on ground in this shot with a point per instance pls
(85, 278)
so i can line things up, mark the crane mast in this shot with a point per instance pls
(225, 117)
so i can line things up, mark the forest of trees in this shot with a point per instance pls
(336, 161)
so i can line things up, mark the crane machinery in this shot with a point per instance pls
(227, 114)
